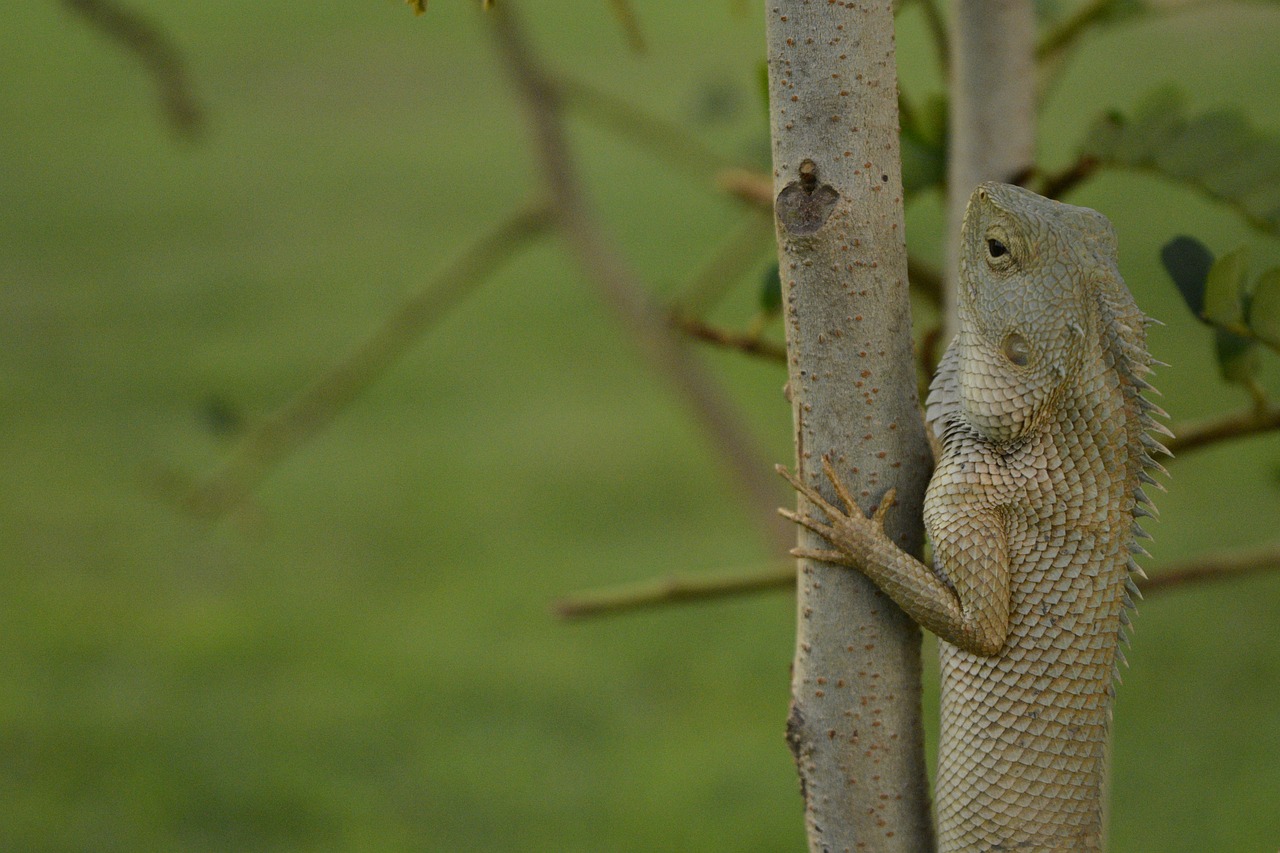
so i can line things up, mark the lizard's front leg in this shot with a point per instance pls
(969, 610)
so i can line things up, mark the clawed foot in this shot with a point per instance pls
(846, 528)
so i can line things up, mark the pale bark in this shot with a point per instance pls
(855, 724)
(993, 111)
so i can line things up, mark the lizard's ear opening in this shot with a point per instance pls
(1015, 348)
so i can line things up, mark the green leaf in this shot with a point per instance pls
(1218, 153)
(1264, 309)
(1224, 291)
(1188, 262)
(771, 291)
(1237, 357)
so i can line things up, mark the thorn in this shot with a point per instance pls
(1135, 570)
(1140, 533)
(1152, 408)
(1155, 362)
(1135, 548)
(1136, 593)
(1141, 511)
(1124, 661)
(1151, 321)
(1141, 497)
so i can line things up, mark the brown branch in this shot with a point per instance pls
(754, 188)
(139, 36)
(1058, 185)
(675, 589)
(622, 290)
(285, 430)
(680, 589)
(1194, 436)
(630, 24)
(1214, 567)
(747, 343)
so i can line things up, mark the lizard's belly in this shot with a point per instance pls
(1024, 744)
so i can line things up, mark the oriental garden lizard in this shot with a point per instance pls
(1038, 406)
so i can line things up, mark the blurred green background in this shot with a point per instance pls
(366, 660)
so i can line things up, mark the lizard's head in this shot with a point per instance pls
(1027, 269)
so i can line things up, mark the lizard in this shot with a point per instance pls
(1038, 406)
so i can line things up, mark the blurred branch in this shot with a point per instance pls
(669, 140)
(680, 589)
(1215, 567)
(630, 24)
(747, 343)
(302, 417)
(1057, 185)
(674, 589)
(938, 33)
(622, 289)
(731, 260)
(139, 36)
(1203, 433)
(754, 188)
(1063, 36)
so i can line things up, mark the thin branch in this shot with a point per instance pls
(747, 343)
(157, 53)
(754, 188)
(630, 24)
(1063, 36)
(938, 33)
(731, 260)
(624, 292)
(675, 589)
(669, 140)
(1193, 436)
(681, 589)
(1057, 185)
(1214, 567)
(285, 430)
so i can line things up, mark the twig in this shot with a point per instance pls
(1196, 435)
(302, 417)
(660, 136)
(1214, 567)
(737, 254)
(754, 188)
(132, 31)
(660, 345)
(671, 590)
(747, 343)
(1057, 185)
(938, 33)
(630, 24)
(678, 589)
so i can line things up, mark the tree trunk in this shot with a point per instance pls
(855, 723)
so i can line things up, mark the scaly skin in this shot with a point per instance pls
(1038, 406)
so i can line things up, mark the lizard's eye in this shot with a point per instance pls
(996, 249)
(1015, 348)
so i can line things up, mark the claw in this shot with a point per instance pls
(850, 505)
(809, 492)
(883, 509)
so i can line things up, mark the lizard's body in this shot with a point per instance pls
(1038, 406)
